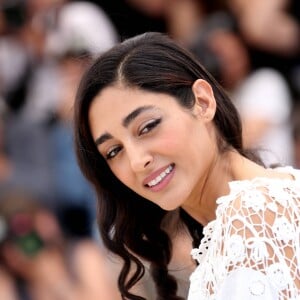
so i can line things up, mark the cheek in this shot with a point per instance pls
(122, 172)
(170, 140)
(179, 139)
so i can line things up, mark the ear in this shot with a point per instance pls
(205, 102)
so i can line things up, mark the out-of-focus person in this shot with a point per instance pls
(261, 95)
(182, 17)
(73, 24)
(271, 31)
(268, 25)
(178, 18)
(73, 194)
(37, 142)
(41, 263)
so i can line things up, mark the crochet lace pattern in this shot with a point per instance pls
(252, 249)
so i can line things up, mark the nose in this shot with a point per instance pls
(139, 157)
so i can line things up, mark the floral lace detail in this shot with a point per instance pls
(280, 195)
(283, 229)
(279, 275)
(235, 247)
(254, 199)
(258, 247)
(257, 229)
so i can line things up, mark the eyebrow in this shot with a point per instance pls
(126, 121)
(102, 138)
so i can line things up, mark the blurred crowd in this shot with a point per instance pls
(49, 243)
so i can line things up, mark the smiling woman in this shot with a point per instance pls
(162, 144)
(144, 138)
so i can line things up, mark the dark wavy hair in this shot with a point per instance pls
(131, 226)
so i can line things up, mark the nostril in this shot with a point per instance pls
(147, 163)
(139, 161)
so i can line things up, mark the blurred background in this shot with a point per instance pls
(47, 209)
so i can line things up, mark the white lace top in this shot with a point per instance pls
(252, 249)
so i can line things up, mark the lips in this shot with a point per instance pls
(157, 177)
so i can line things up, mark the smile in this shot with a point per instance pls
(160, 177)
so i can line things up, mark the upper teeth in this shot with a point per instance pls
(160, 177)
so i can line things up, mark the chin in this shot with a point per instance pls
(168, 206)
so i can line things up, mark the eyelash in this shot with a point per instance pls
(109, 154)
(146, 129)
(149, 126)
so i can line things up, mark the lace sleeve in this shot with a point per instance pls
(254, 252)
(261, 233)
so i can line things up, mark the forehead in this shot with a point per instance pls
(114, 103)
(119, 93)
(116, 100)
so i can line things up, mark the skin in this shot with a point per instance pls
(185, 139)
(267, 25)
(7, 287)
(182, 17)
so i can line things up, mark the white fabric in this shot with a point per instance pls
(13, 62)
(42, 99)
(265, 95)
(252, 249)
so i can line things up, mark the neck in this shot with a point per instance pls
(229, 167)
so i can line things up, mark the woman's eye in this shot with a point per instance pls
(112, 152)
(149, 126)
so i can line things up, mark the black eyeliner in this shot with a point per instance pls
(150, 125)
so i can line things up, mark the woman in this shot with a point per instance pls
(162, 145)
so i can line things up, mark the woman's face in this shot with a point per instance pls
(154, 146)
